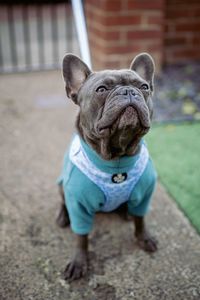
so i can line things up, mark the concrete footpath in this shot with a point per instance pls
(36, 123)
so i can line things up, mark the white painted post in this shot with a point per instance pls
(78, 12)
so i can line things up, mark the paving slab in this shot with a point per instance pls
(36, 124)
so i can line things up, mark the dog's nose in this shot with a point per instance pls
(128, 91)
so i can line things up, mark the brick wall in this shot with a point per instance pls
(182, 30)
(120, 29)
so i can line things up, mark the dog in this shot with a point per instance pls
(108, 164)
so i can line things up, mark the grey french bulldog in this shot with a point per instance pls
(107, 165)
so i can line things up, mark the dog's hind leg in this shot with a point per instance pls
(63, 217)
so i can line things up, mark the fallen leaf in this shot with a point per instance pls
(189, 108)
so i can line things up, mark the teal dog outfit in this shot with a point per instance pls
(92, 184)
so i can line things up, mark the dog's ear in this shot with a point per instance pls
(75, 72)
(144, 65)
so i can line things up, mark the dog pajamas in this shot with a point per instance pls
(92, 184)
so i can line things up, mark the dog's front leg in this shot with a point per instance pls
(145, 240)
(78, 266)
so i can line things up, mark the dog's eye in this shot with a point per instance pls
(144, 87)
(101, 89)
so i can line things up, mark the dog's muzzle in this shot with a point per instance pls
(117, 101)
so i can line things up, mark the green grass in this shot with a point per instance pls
(175, 150)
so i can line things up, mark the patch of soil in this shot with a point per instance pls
(177, 93)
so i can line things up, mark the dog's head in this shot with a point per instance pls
(115, 105)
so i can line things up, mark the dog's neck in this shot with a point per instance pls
(102, 147)
(125, 162)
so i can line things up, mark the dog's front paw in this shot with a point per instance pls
(147, 242)
(76, 269)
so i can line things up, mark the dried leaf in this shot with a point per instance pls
(189, 108)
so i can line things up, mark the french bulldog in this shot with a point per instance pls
(107, 164)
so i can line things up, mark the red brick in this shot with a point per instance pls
(116, 31)
(196, 40)
(187, 53)
(113, 5)
(154, 47)
(118, 49)
(144, 34)
(98, 3)
(182, 13)
(193, 27)
(185, 10)
(96, 45)
(119, 20)
(158, 20)
(175, 2)
(112, 35)
(145, 4)
(182, 30)
(104, 34)
(175, 41)
(112, 64)
(115, 50)
(97, 32)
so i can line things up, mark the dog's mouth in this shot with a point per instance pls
(127, 118)
(124, 106)
(123, 135)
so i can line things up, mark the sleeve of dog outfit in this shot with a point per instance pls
(81, 219)
(82, 200)
(140, 199)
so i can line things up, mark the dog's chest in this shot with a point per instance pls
(116, 187)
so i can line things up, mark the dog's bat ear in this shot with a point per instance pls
(144, 63)
(75, 72)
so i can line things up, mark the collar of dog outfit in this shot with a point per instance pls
(121, 165)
